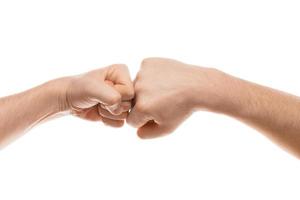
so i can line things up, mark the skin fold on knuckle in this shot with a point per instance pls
(122, 115)
(114, 99)
(116, 111)
(130, 92)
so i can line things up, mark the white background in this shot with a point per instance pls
(208, 157)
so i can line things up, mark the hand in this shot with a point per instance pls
(101, 95)
(167, 92)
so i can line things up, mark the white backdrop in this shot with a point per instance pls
(208, 157)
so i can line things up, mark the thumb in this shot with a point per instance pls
(103, 93)
(126, 91)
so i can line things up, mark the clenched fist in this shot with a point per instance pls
(101, 95)
(166, 93)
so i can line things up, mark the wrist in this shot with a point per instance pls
(57, 92)
(216, 91)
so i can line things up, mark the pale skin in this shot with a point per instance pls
(100, 95)
(168, 92)
(165, 93)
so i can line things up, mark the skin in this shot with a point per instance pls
(101, 95)
(165, 93)
(168, 92)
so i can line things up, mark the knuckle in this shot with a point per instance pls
(130, 120)
(142, 107)
(130, 93)
(114, 99)
(119, 66)
(138, 87)
(146, 62)
(150, 61)
(116, 112)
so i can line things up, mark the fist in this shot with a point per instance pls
(164, 96)
(101, 95)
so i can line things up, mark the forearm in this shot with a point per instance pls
(22, 111)
(274, 113)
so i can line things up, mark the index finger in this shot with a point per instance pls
(121, 79)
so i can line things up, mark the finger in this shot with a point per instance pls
(136, 118)
(120, 76)
(152, 130)
(113, 123)
(114, 109)
(109, 82)
(126, 106)
(118, 109)
(126, 95)
(104, 113)
(103, 93)
(126, 91)
(90, 114)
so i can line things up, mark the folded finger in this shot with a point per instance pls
(113, 123)
(104, 113)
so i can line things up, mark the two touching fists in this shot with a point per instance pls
(161, 97)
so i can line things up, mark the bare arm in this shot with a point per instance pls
(20, 112)
(100, 95)
(168, 92)
(272, 112)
